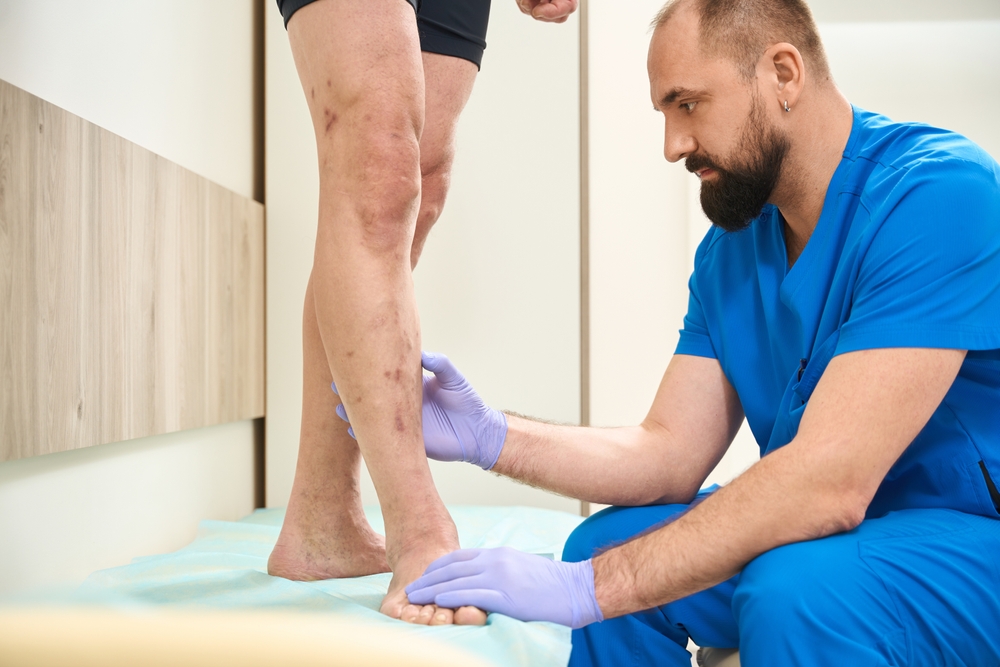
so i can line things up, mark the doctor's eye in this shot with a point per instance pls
(689, 106)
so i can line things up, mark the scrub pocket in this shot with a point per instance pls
(985, 485)
(815, 367)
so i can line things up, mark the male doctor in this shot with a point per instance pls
(847, 303)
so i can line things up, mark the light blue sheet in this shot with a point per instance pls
(226, 567)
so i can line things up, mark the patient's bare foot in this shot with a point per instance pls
(310, 548)
(408, 566)
(308, 551)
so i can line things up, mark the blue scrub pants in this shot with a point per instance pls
(915, 587)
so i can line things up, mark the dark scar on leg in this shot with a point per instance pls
(397, 375)
(331, 118)
(399, 423)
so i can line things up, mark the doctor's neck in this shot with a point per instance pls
(818, 128)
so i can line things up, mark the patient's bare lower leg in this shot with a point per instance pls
(360, 67)
(325, 534)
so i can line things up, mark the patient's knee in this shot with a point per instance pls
(370, 181)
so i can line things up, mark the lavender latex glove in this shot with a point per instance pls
(513, 583)
(458, 426)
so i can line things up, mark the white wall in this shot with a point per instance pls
(498, 284)
(928, 61)
(176, 78)
(887, 67)
(64, 515)
(638, 208)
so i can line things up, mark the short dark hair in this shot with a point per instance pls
(742, 30)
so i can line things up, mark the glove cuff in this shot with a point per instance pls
(494, 436)
(582, 593)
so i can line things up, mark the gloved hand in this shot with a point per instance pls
(513, 583)
(458, 426)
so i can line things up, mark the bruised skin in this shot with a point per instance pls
(360, 323)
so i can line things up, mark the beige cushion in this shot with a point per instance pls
(81, 637)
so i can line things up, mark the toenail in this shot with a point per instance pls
(441, 617)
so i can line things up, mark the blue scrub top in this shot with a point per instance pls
(906, 253)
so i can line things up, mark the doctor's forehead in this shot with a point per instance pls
(674, 56)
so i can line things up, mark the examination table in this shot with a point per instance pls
(212, 604)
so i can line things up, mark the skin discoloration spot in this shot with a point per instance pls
(399, 423)
(398, 374)
(329, 83)
(387, 375)
(350, 353)
(312, 93)
(331, 118)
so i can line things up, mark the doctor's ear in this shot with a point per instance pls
(784, 75)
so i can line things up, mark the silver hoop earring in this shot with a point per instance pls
(786, 106)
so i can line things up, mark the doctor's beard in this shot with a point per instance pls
(739, 192)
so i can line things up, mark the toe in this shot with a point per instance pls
(470, 616)
(425, 615)
(410, 613)
(443, 617)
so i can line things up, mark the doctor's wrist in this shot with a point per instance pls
(583, 599)
(615, 590)
(494, 435)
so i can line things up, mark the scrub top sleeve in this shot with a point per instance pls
(931, 274)
(694, 338)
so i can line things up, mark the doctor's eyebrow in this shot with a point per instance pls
(676, 93)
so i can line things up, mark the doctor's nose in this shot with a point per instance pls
(677, 146)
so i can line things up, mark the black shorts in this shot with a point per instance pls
(449, 27)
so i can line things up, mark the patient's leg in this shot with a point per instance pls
(366, 104)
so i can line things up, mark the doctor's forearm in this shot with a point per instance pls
(780, 500)
(612, 466)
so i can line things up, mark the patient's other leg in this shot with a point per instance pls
(325, 534)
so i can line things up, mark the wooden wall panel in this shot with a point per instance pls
(131, 289)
